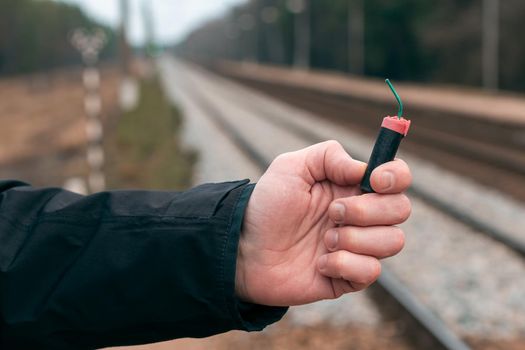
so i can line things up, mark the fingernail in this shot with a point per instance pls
(387, 180)
(332, 237)
(338, 210)
(322, 262)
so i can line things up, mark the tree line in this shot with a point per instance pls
(35, 35)
(416, 40)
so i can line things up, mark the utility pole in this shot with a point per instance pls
(246, 23)
(302, 24)
(232, 33)
(125, 51)
(129, 89)
(149, 29)
(272, 34)
(356, 37)
(256, 33)
(490, 44)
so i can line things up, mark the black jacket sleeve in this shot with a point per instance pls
(122, 267)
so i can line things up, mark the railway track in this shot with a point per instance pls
(424, 329)
(482, 226)
(492, 153)
(245, 115)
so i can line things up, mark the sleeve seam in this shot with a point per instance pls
(226, 244)
(79, 221)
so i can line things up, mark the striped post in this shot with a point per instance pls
(90, 45)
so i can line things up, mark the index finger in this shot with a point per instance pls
(391, 177)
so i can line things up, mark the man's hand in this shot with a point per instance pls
(309, 234)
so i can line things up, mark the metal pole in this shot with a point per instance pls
(272, 34)
(124, 46)
(247, 24)
(303, 37)
(356, 37)
(490, 44)
(302, 23)
(232, 33)
(149, 29)
(257, 32)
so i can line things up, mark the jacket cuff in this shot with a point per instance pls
(246, 316)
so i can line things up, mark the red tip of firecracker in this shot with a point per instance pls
(400, 126)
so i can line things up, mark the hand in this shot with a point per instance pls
(308, 232)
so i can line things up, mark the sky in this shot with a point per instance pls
(173, 18)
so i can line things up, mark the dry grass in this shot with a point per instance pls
(42, 138)
(145, 150)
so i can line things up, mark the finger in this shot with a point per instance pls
(341, 286)
(359, 269)
(378, 241)
(329, 161)
(391, 177)
(370, 209)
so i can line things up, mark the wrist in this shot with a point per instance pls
(240, 280)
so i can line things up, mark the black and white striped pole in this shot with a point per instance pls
(90, 45)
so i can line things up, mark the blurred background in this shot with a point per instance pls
(167, 94)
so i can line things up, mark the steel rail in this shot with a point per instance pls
(462, 216)
(429, 332)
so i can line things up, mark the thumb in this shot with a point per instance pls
(329, 161)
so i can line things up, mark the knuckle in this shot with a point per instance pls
(348, 239)
(402, 163)
(339, 293)
(288, 159)
(283, 157)
(333, 144)
(357, 212)
(339, 262)
(398, 238)
(361, 287)
(356, 287)
(348, 287)
(408, 178)
(371, 272)
(375, 270)
(404, 208)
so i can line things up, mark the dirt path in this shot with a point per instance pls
(284, 335)
(42, 136)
